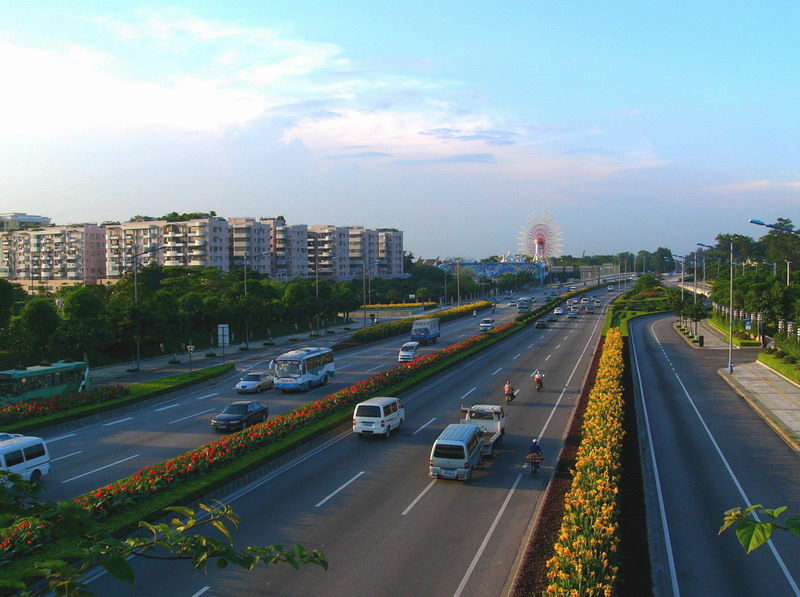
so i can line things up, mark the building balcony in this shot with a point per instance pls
(173, 262)
(198, 233)
(196, 253)
(200, 262)
(172, 253)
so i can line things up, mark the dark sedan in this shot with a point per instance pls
(240, 415)
(541, 323)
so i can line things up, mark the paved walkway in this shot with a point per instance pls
(770, 394)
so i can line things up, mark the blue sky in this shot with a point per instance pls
(632, 124)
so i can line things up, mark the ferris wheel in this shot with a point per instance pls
(540, 239)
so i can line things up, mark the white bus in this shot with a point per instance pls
(303, 368)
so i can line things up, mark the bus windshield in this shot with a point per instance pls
(288, 368)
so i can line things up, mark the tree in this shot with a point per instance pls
(84, 323)
(6, 301)
(39, 320)
(183, 538)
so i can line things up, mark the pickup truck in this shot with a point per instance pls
(491, 419)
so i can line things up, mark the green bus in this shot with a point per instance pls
(43, 381)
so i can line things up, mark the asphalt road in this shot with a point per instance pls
(706, 451)
(385, 525)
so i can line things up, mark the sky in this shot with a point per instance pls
(626, 125)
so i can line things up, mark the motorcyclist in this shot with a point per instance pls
(474, 313)
(538, 380)
(508, 390)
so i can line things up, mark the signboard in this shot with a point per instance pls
(223, 335)
(748, 324)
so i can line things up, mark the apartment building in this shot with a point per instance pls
(18, 221)
(251, 244)
(390, 252)
(328, 252)
(50, 257)
(289, 246)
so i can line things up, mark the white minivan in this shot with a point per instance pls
(487, 324)
(456, 452)
(378, 416)
(408, 352)
(24, 455)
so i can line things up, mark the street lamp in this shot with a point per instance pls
(245, 259)
(781, 228)
(316, 282)
(458, 279)
(135, 259)
(730, 308)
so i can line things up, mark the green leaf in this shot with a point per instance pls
(188, 512)
(752, 534)
(793, 524)
(119, 568)
(773, 512)
(220, 526)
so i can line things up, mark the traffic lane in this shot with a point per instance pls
(411, 471)
(701, 448)
(104, 452)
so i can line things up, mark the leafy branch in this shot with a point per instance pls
(753, 532)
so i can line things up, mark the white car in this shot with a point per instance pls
(558, 311)
(255, 382)
(487, 324)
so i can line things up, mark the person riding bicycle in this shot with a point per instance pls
(535, 448)
(535, 455)
(508, 390)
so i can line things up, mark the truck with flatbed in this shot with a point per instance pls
(492, 421)
(425, 331)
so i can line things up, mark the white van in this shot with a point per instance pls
(408, 352)
(487, 324)
(456, 452)
(26, 456)
(378, 416)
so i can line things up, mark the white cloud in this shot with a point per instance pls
(756, 185)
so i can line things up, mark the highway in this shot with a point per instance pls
(119, 444)
(706, 451)
(386, 527)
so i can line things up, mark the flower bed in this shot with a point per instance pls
(121, 495)
(585, 552)
(42, 407)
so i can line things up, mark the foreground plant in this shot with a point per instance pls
(176, 540)
(753, 532)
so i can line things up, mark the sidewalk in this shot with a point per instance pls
(770, 394)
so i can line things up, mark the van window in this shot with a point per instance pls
(392, 407)
(473, 441)
(13, 458)
(368, 410)
(35, 451)
(449, 451)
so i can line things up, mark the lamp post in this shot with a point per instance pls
(782, 229)
(135, 259)
(458, 279)
(316, 283)
(245, 259)
(730, 307)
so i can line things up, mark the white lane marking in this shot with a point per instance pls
(201, 591)
(340, 367)
(734, 478)
(565, 338)
(102, 467)
(548, 357)
(516, 357)
(60, 437)
(202, 412)
(374, 368)
(66, 456)
(418, 498)
(117, 421)
(424, 426)
(208, 396)
(339, 489)
(557, 347)
(165, 407)
(662, 509)
(486, 539)
(468, 393)
(498, 371)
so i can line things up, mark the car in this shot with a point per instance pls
(572, 315)
(512, 303)
(487, 324)
(611, 288)
(558, 311)
(408, 352)
(255, 382)
(240, 415)
(540, 323)
(551, 317)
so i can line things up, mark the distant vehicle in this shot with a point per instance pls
(425, 331)
(573, 288)
(540, 323)
(524, 305)
(240, 415)
(572, 315)
(551, 317)
(408, 352)
(512, 303)
(255, 382)
(611, 288)
(378, 416)
(487, 324)
(584, 301)
(558, 311)
(43, 381)
(303, 368)
(590, 308)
